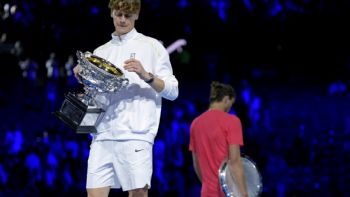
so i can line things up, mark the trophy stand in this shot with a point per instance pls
(78, 115)
(82, 112)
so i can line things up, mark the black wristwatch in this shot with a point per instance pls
(150, 80)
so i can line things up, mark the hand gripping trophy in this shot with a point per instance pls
(81, 112)
(252, 174)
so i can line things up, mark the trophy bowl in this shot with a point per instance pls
(99, 74)
(82, 112)
(252, 176)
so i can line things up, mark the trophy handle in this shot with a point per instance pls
(81, 56)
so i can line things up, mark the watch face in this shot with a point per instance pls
(150, 80)
(151, 75)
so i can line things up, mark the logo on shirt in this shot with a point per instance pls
(138, 150)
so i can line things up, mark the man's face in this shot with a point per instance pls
(123, 22)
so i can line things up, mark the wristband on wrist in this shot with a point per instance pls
(151, 79)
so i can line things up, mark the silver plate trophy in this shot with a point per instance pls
(252, 177)
(81, 112)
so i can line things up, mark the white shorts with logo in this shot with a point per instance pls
(120, 164)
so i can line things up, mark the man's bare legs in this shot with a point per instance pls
(98, 192)
(142, 192)
(104, 191)
(138, 193)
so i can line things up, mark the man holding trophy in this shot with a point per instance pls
(216, 135)
(121, 149)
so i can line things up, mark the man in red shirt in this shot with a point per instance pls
(214, 136)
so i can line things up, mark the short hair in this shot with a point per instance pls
(219, 90)
(128, 6)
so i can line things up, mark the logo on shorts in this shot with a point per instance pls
(138, 150)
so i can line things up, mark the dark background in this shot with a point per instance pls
(289, 62)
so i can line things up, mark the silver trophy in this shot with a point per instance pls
(252, 176)
(82, 112)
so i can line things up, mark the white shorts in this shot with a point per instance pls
(120, 164)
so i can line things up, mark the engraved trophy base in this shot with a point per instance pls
(79, 116)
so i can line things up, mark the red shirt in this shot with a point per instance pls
(211, 133)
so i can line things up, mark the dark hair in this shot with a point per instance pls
(128, 6)
(219, 90)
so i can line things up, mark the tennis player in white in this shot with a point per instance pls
(121, 151)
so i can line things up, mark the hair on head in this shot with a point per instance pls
(219, 90)
(128, 6)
